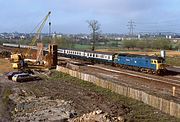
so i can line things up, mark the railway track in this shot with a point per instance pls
(157, 83)
(160, 79)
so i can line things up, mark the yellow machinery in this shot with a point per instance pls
(17, 59)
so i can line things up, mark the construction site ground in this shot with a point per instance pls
(61, 97)
(5, 66)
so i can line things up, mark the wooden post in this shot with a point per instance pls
(174, 90)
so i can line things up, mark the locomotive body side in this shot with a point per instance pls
(141, 63)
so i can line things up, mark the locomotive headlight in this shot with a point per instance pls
(162, 66)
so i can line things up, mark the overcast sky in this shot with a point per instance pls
(70, 16)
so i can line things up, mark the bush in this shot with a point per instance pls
(5, 54)
(151, 44)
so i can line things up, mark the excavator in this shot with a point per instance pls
(18, 59)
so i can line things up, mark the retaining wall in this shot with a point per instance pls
(162, 104)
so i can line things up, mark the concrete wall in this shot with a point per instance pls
(164, 105)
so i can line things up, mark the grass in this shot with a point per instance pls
(82, 47)
(174, 61)
(139, 111)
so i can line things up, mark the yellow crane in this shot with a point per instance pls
(17, 59)
(37, 34)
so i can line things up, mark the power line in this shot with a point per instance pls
(131, 26)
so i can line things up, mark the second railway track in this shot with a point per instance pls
(172, 81)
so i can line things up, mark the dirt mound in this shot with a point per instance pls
(32, 108)
(97, 116)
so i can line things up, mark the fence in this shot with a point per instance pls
(166, 106)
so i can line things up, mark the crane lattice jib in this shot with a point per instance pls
(37, 34)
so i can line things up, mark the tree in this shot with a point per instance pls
(141, 44)
(95, 27)
(63, 42)
(161, 43)
(129, 44)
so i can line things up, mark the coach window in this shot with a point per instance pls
(108, 57)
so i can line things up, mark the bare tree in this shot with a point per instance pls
(95, 27)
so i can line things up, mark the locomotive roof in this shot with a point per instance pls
(136, 55)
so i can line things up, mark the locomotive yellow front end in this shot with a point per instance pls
(160, 67)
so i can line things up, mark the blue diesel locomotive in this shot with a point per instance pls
(143, 63)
